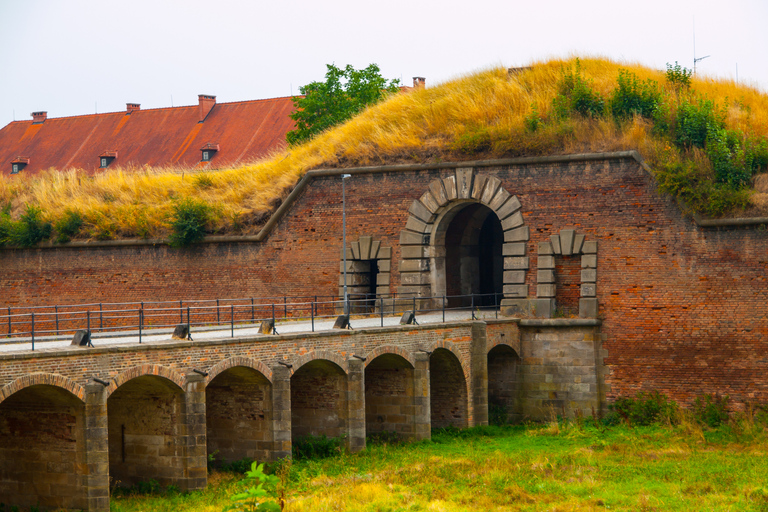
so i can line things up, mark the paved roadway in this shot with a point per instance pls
(153, 336)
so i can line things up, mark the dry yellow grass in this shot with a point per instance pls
(425, 125)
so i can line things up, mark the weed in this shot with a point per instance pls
(239, 467)
(259, 497)
(203, 180)
(633, 97)
(189, 222)
(317, 447)
(711, 410)
(576, 95)
(497, 414)
(645, 409)
(68, 226)
(30, 229)
(533, 118)
(385, 437)
(678, 76)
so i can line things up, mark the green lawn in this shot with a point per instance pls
(552, 467)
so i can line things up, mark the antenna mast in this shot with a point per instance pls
(695, 60)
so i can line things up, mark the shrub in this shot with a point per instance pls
(30, 229)
(678, 76)
(533, 118)
(633, 97)
(189, 222)
(645, 408)
(256, 497)
(575, 95)
(711, 410)
(383, 437)
(317, 447)
(68, 226)
(695, 122)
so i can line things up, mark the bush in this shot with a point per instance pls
(633, 97)
(68, 226)
(383, 437)
(695, 122)
(711, 410)
(678, 76)
(189, 222)
(317, 447)
(645, 408)
(575, 95)
(30, 229)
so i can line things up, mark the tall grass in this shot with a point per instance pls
(486, 114)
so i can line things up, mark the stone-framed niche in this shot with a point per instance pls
(566, 244)
(368, 272)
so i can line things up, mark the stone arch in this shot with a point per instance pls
(419, 240)
(368, 271)
(452, 348)
(232, 362)
(315, 355)
(49, 379)
(565, 244)
(448, 390)
(504, 384)
(43, 444)
(239, 410)
(390, 349)
(146, 370)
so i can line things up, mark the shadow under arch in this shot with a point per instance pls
(504, 385)
(390, 396)
(448, 390)
(42, 447)
(319, 399)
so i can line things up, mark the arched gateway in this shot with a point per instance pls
(465, 236)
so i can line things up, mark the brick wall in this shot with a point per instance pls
(682, 306)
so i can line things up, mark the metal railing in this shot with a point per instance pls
(46, 323)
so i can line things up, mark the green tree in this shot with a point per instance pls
(344, 93)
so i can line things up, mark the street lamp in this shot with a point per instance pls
(344, 238)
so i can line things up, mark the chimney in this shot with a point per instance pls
(130, 107)
(205, 104)
(39, 117)
(419, 82)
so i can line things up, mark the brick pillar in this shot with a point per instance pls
(194, 432)
(422, 414)
(281, 412)
(96, 479)
(479, 369)
(355, 405)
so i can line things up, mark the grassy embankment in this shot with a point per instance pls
(483, 115)
(557, 467)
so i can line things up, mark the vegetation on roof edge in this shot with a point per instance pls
(706, 142)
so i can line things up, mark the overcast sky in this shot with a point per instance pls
(80, 56)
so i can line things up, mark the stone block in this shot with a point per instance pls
(417, 278)
(514, 276)
(513, 249)
(449, 184)
(542, 307)
(546, 262)
(414, 265)
(464, 182)
(412, 238)
(438, 192)
(349, 253)
(384, 265)
(515, 307)
(566, 241)
(413, 251)
(365, 247)
(545, 290)
(515, 262)
(589, 247)
(521, 234)
(355, 250)
(478, 186)
(513, 221)
(578, 242)
(511, 206)
(429, 202)
(555, 240)
(385, 253)
(588, 289)
(416, 225)
(414, 290)
(515, 291)
(499, 199)
(545, 249)
(420, 211)
(589, 261)
(545, 276)
(588, 275)
(491, 186)
(382, 279)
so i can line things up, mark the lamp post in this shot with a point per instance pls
(344, 237)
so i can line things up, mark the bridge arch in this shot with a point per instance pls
(390, 349)
(390, 392)
(319, 396)
(235, 361)
(448, 389)
(146, 370)
(466, 225)
(504, 384)
(316, 355)
(43, 379)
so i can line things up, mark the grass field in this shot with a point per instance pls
(556, 467)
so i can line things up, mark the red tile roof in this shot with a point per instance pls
(242, 131)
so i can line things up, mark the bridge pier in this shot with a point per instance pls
(96, 479)
(195, 456)
(281, 412)
(422, 416)
(355, 405)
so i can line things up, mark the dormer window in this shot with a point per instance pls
(209, 151)
(19, 163)
(106, 158)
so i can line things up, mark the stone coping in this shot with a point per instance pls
(560, 322)
(170, 343)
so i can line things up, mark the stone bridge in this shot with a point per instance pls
(75, 421)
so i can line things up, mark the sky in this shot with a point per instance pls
(78, 57)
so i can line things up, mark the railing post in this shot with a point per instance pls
(141, 320)
(181, 312)
(88, 317)
(253, 316)
(232, 319)
(496, 303)
(472, 307)
(101, 317)
(56, 308)
(414, 304)
(189, 324)
(9, 321)
(285, 306)
(443, 308)
(381, 310)
(33, 331)
(273, 315)
(312, 314)
(218, 313)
